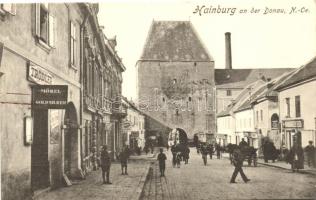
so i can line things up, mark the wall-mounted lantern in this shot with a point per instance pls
(28, 130)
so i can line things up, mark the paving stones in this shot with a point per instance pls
(196, 181)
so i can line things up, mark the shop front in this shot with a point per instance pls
(291, 132)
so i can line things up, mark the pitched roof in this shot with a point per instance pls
(304, 73)
(243, 100)
(239, 78)
(174, 41)
(273, 84)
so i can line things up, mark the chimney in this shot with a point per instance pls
(228, 51)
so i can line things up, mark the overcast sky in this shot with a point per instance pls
(258, 40)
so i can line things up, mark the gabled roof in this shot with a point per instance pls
(273, 84)
(305, 72)
(174, 41)
(243, 100)
(248, 103)
(239, 78)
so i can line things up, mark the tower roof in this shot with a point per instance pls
(174, 41)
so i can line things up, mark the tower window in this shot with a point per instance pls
(228, 92)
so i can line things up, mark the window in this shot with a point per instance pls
(287, 103)
(297, 106)
(73, 44)
(228, 92)
(261, 115)
(257, 115)
(44, 25)
(7, 8)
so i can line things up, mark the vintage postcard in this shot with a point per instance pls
(144, 100)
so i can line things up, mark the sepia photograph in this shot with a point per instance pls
(158, 100)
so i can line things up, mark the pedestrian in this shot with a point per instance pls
(174, 155)
(178, 159)
(237, 159)
(210, 150)
(186, 155)
(162, 162)
(204, 154)
(105, 165)
(152, 148)
(167, 147)
(218, 151)
(296, 157)
(310, 152)
(124, 155)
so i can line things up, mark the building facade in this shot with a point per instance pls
(36, 52)
(54, 50)
(297, 107)
(134, 124)
(103, 109)
(176, 80)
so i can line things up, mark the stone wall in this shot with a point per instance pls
(178, 94)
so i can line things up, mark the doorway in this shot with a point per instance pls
(39, 151)
(70, 140)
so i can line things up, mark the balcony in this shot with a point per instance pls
(101, 104)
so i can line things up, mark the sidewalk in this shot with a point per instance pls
(123, 186)
(284, 165)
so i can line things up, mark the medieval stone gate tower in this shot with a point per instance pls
(176, 80)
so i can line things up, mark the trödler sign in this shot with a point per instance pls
(49, 96)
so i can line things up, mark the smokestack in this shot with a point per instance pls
(228, 51)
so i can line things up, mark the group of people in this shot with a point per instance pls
(105, 162)
(209, 149)
(295, 156)
(180, 153)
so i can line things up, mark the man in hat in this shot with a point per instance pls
(237, 161)
(162, 162)
(105, 165)
(310, 152)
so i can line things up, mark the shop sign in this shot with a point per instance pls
(49, 96)
(39, 75)
(293, 123)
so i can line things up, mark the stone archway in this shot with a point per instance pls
(71, 150)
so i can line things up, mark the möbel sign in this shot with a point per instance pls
(49, 96)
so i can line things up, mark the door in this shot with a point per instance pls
(39, 151)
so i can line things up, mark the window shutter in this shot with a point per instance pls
(37, 19)
(51, 27)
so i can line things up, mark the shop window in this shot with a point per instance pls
(73, 44)
(44, 25)
(297, 106)
(7, 8)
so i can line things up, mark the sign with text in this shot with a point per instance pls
(50, 96)
(39, 75)
(293, 123)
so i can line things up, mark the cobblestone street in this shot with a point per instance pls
(123, 187)
(196, 181)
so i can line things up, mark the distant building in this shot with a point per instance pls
(297, 106)
(266, 111)
(230, 82)
(176, 80)
(134, 126)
